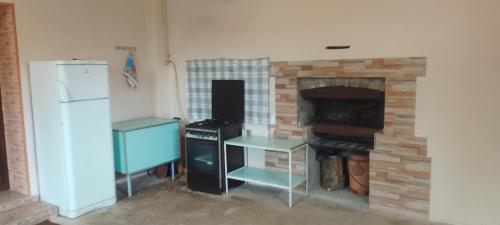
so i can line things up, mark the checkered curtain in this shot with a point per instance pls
(255, 73)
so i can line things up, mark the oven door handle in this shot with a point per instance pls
(199, 141)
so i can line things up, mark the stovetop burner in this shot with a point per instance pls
(209, 124)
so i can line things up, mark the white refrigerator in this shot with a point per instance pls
(73, 135)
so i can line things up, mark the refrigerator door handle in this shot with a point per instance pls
(63, 92)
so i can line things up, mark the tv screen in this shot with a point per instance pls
(228, 100)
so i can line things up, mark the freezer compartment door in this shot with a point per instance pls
(82, 82)
(89, 153)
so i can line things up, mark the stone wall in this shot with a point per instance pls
(399, 166)
(10, 86)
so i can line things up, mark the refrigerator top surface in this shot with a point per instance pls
(73, 62)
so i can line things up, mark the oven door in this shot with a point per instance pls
(203, 156)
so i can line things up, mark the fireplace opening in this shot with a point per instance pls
(344, 119)
(343, 115)
(347, 112)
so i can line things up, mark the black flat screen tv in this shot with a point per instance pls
(228, 100)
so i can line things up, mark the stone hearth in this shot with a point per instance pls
(399, 166)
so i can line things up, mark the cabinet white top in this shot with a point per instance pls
(268, 143)
(141, 123)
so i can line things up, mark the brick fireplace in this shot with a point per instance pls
(399, 166)
(12, 108)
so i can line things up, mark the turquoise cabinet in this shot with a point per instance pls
(145, 143)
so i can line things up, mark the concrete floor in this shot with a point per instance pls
(173, 203)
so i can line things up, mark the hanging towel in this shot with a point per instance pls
(130, 72)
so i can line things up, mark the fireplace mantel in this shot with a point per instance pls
(399, 166)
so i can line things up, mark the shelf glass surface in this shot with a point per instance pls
(268, 177)
(261, 142)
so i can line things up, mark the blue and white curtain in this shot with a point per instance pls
(255, 73)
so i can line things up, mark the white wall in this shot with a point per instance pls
(66, 29)
(457, 103)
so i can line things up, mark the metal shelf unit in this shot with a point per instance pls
(264, 176)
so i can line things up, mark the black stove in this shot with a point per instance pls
(205, 139)
(204, 151)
